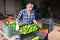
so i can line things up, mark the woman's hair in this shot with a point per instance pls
(29, 2)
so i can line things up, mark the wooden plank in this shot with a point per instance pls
(3, 34)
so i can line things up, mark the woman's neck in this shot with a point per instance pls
(28, 11)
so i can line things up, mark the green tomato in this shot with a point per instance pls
(13, 25)
(7, 22)
(30, 31)
(24, 32)
(32, 25)
(33, 39)
(28, 25)
(21, 30)
(36, 38)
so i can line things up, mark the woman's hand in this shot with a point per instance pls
(35, 21)
(17, 26)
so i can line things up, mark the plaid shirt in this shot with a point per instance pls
(27, 19)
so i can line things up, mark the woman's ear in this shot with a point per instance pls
(26, 6)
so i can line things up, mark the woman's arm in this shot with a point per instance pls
(17, 20)
(34, 18)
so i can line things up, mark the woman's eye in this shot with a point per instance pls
(30, 7)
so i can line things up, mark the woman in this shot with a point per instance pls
(28, 15)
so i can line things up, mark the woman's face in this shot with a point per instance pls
(29, 7)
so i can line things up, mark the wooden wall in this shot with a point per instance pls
(1, 6)
(11, 6)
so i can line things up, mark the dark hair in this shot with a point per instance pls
(29, 2)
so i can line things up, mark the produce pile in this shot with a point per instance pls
(28, 29)
(11, 23)
(9, 28)
(36, 38)
(43, 30)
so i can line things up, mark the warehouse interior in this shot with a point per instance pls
(44, 9)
